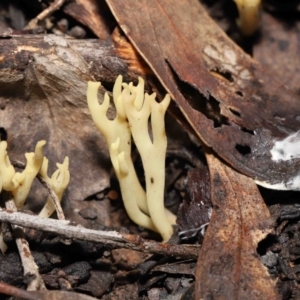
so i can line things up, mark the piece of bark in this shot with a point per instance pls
(105, 60)
(98, 283)
(194, 212)
(236, 107)
(228, 265)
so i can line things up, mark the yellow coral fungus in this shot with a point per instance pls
(133, 109)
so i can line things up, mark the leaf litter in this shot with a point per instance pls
(241, 160)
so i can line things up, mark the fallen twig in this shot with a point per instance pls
(29, 266)
(112, 239)
(45, 13)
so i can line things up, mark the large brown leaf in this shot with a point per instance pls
(228, 265)
(235, 106)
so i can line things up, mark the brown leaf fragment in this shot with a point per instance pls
(184, 268)
(98, 283)
(94, 14)
(144, 286)
(194, 214)
(228, 265)
(236, 107)
(128, 53)
(128, 259)
(123, 292)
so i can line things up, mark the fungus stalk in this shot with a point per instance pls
(153, 153)
(19, 184)
(249, 14)
(128, 190)
(33, 165)
(58, 183)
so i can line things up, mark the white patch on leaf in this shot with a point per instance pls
(287, 148)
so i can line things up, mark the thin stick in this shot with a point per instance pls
(112, 239)
(30, 268)
(45, 13)
(16, 292)
(58, 208)
(56, 202)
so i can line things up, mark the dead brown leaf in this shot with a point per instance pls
(235, 106)
(228, 265)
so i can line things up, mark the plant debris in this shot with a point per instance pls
(237, 105)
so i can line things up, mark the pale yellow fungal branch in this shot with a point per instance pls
(133, 110)
(153, 153)
(114, 129)
(58, 183)
(127, 189)
(19, 183)
(249, 15)
(7, 171)
(33, 165)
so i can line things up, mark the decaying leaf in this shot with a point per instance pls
(235, 106)
(228, 265)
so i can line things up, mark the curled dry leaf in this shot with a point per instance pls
(228, 265)
(235, 106)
